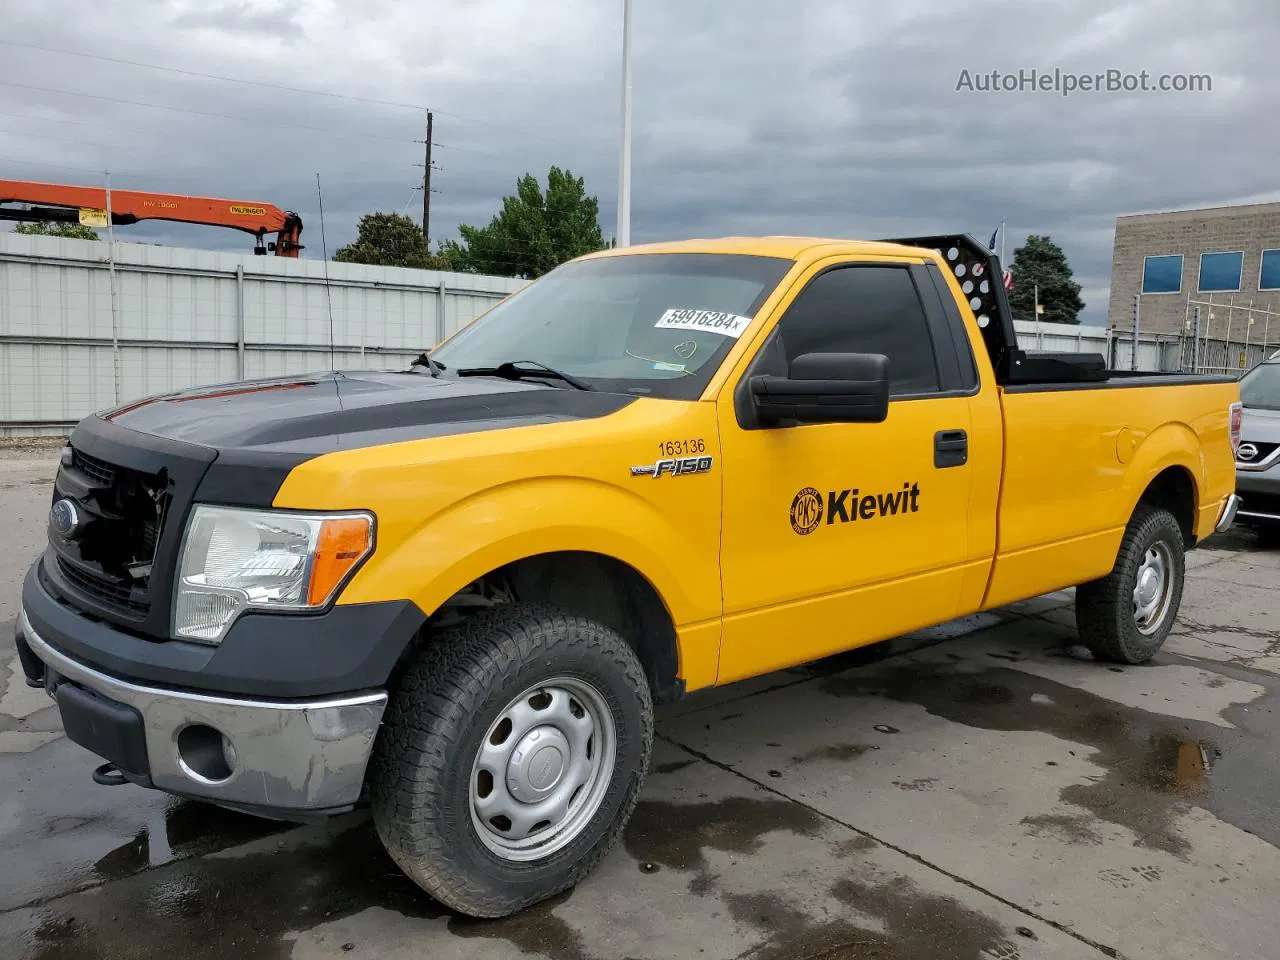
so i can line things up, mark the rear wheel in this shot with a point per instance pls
(512, 755)
(1126, 616)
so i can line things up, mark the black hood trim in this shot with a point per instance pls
(252, 475)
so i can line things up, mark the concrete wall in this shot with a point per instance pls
(189, 317)
(1249, 228)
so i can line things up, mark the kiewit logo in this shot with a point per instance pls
(806, 511)
(850, 505)
(846, 506)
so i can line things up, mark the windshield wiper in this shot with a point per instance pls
(424, 360)
(510, 371)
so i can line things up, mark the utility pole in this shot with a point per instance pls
(111, 275)
(426, 190)
(624, 161)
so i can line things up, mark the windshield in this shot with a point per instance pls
(652, 324)
(1260, 387)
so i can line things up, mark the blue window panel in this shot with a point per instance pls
(1220, 272)
(1162, 274)
(1269, 276)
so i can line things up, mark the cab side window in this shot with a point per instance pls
(865, 309)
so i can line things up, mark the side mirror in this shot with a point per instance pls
(825, 388)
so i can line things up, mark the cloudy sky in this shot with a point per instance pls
(751, 116)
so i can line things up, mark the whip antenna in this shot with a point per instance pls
(324, 248)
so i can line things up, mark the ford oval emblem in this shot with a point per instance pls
(64, 519)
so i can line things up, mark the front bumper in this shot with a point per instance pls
(1259, 495)
(281, 758)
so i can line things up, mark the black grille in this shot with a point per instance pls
(1264, 450)
(104, 588)
(103, 473)
(108, 562)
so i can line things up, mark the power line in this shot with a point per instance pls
(214, 76)
(45, 136)
(271, 86)
(203, 113)
(28, 116)
(60, 166)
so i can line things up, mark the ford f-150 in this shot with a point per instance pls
(455, 593)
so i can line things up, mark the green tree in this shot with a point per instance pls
(389, 240)
(1040, 267)
(46, 228)
(534, 232)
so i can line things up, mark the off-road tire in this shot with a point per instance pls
(1104, 607)
(420, 771)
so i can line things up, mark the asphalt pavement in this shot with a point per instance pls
(973, 792)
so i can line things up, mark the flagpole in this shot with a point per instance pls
(1002, 242)
(624, 158)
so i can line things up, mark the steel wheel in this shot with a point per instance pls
(542, 769)
(1153, 588)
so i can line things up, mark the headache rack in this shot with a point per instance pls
(968, 259)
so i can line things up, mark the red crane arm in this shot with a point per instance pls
(130, 206)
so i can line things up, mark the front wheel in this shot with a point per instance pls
(1126, 616)
(511, 757)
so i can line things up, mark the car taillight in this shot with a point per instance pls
(1237, 418)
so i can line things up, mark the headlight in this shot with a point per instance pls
(235, 559)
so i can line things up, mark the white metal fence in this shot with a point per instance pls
(1168, 353)
(183, 318)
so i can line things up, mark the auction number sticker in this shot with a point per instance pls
(712, 321)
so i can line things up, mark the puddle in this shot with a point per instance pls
(1156, 766)
(1077, 829)
(673, 766)
(70, 833)
(247, 907)
(183, 829)
(840, 753)
(905, 924)
(216, 908)
(674, 835)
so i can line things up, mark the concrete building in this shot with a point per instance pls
(1225, 260)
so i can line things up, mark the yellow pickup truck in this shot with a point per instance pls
(455, 593)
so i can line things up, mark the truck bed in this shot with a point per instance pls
(1073, 471)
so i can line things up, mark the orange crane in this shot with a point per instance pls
(88, 205)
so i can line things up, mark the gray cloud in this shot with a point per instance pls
(753, 116)
(245, 17)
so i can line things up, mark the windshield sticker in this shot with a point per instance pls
(712, 321)
(672, 367)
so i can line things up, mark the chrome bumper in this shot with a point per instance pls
(1228, 515)
(282, 756)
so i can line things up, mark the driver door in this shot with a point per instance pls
(840, 534)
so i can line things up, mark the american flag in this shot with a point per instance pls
(1006, 273)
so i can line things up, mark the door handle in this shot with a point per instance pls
(950, 448)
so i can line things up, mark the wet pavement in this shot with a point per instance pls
(973, 792)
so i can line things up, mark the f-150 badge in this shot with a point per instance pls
(673, 467)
